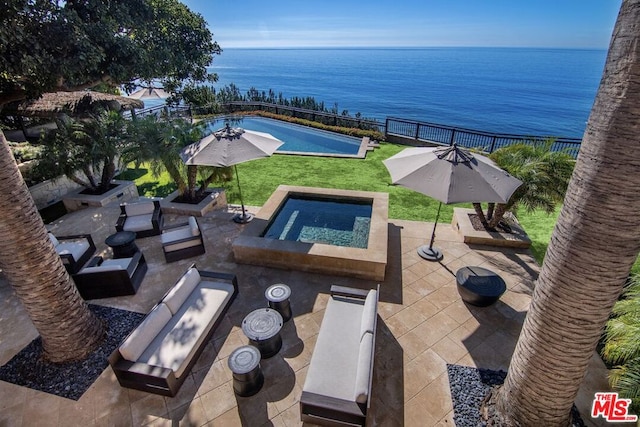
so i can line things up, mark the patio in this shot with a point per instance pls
(423, 326)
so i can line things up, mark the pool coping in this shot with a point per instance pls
(365, 263)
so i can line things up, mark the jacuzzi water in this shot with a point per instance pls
(321, 220)
(296, 138)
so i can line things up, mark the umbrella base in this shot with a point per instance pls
(430, 254)
(242, 218)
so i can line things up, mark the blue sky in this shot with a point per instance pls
(346, 23)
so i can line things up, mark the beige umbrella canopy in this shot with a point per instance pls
(77, 104)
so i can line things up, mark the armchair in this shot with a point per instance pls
(111, 277)
(75, 250)
(182, 240)
(145, 218)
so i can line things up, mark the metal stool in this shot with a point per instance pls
(262, 327)
(244, 363)
(278, 296)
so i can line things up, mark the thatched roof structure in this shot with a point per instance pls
(77, 104)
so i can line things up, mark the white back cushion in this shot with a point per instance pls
(369, 312)
(195, 230)
(137, 342)
(181, 291)
(363, 370)
(139, 208)
(53, 239)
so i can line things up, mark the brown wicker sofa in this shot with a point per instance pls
(159, 353)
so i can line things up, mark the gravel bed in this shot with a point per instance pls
(72, 379)
(469, 387)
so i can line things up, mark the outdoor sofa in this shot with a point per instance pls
(159, 353)
(337, 389)
(74, 250)
(144, 218)
(181, 241)
(112, 277)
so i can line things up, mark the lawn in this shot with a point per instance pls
(259, 178)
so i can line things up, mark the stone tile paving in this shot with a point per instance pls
(424, 327)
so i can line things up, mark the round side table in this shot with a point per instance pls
(278, 296)
(262, 327)
(123, 244)
(244, 363)
(479, 286)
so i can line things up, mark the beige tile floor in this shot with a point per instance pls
(424, 327)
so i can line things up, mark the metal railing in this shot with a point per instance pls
(484, 141)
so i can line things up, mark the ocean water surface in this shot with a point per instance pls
(504, 90)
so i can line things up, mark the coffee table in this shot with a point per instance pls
(262, 327)
(123, 244)
(479, 286)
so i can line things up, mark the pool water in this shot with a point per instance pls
(296, 138)
(316, 220)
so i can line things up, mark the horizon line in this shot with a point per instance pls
(400, 47)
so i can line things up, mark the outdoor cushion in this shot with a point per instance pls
(333, 365)
(181, 245)
(181, 291)
(121, 263)
(54, 240)
(139, 209)
(363, 369)
(74, 248)
(101, 268)
(193, 224)
(138, 223)
(177, 342)
(135, 344)
(369, 314)
(179, 233)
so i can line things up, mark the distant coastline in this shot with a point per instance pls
(542, 91)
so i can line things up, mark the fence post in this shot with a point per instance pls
(417, 136)
(453, 137)
(493, 144)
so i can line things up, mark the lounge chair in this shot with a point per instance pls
(144, 218)
(75, 250)
(181, 241)
(111, 277)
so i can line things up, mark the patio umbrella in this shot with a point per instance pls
(149, 93)
(228, 147)
(450, 175)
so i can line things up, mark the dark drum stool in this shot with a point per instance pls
(479, 286)
(123, 244)
(262, 327)
(278, 297)
(244, 363)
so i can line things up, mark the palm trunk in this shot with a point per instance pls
(480, 213)
(594, 244)
(175, 175)
(192, 177)
(498, 214)
(68, 329)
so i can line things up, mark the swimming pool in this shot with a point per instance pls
(312, 219)
(298, 139)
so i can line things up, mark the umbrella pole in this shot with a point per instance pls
(244, 217)
(429, 252)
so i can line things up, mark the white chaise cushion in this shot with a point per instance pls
(139, 209)
(178, 341)
(363, 370)
(138, 223)
(75, 248)
(181, 290)
(369, 313)
(136, 343)
(334, 361)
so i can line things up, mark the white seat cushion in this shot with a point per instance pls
(138, 223)
(119, 263)
(145, 332)
(181, 245)
(75, 248)
(333, 366)
(181, 290)
(176, 344)
(179, 233)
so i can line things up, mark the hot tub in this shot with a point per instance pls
(321, 230)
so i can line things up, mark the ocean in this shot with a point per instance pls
(504, 90)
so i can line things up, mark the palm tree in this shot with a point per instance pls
(594, 244)
(69, 331)
(622, 344)
(544, 174)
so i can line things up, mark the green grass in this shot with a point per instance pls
(259, 178)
